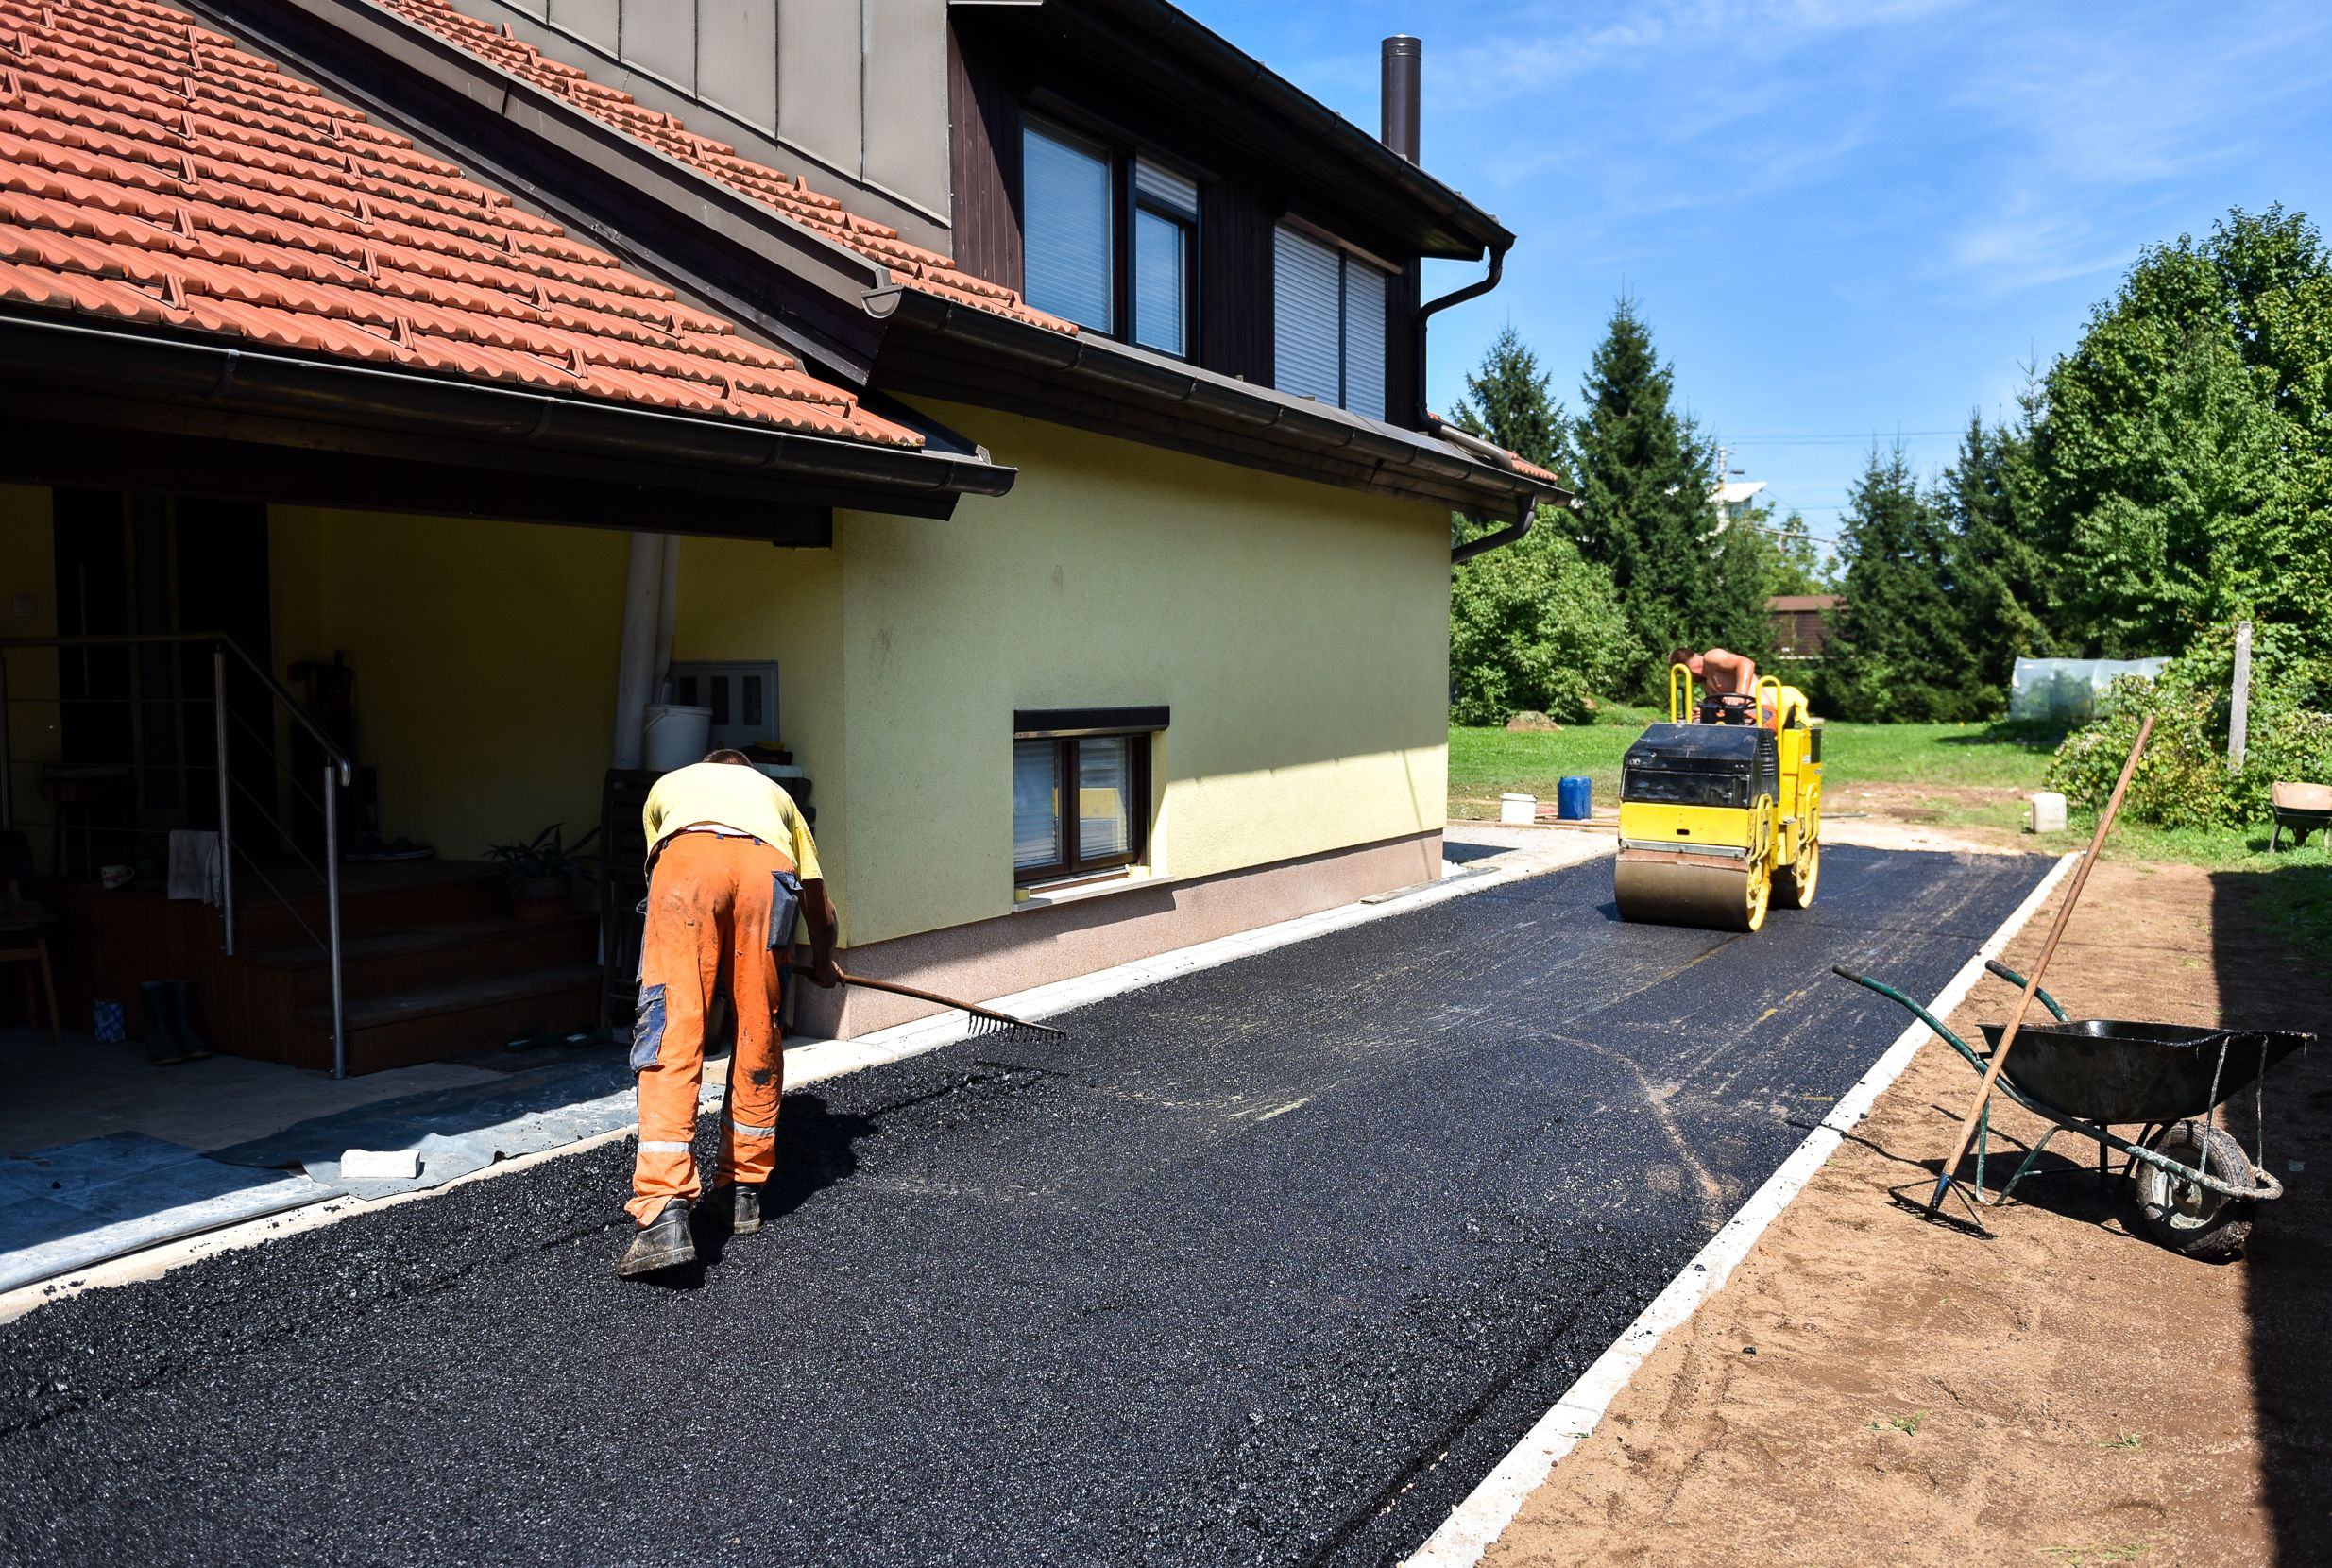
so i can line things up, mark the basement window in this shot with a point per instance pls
(742, 696)
(1081, 792)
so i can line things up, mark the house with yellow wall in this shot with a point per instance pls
(1024, 402)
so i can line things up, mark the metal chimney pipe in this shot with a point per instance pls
(1401, 59)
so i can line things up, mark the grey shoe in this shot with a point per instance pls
(739, 1207)
(663, 1242)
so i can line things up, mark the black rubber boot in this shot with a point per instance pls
(738, 1207)
(164, 1047)
(663, 1242)
(181, 995)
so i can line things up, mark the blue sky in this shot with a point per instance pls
(1842, 217)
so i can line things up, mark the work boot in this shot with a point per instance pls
(663, 1242)
(162, 1046)
(180, 996)
(738, 1206)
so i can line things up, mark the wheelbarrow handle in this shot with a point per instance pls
(2000, 971)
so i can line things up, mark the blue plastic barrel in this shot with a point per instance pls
(1575, 799)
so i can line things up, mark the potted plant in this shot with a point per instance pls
(542, 873)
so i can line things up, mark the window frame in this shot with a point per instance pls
(1126, 202)
(1064, 731)
(1137, 202)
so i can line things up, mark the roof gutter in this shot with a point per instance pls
(1152, 379)
(145, 367)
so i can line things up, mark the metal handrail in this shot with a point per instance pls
(103, 639)
(339, 770)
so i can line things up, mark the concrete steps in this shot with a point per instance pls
(395, 1029)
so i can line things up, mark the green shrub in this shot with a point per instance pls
(2184, 780)
(1536, 625)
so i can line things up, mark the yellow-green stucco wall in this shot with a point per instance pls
(1298, 633)
(485, 654)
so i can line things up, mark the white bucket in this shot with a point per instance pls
(1518, 810)
(674, 737)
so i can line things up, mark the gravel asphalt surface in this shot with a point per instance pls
(1270, 1263)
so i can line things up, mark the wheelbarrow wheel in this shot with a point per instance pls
(2184, 1215)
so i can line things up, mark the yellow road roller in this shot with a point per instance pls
(1721, 808)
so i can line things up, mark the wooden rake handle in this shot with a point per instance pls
(2031, 985)
(935, 998)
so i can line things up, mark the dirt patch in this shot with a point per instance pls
(1871, 1389)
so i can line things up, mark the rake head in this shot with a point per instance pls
(999, 1026)
(1935, 1215)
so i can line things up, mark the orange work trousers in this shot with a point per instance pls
(718, 905)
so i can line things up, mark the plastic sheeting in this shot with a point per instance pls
(458, 1130)
(79, 1204)
(2069, 691)
(75, 1205)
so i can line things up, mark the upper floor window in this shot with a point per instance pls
(1083, 206)
(1166, 258)
(1328, 333)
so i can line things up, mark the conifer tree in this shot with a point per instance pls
(1645, 475)
(1510, 401)
(1897, 650)
(1998, 569)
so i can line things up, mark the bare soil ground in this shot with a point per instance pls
(1872, 1388)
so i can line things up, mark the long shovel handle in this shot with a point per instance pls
(2048, 950)
(935, 998)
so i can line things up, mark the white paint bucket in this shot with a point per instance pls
(1518, 810)
(674, 736)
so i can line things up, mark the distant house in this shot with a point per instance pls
(1733, 500)
(1801, 622)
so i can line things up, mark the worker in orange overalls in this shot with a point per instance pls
(730, 863)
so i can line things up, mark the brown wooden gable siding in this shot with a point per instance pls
(983, 115)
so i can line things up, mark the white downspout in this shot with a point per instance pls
(667, 620)
(636, 667)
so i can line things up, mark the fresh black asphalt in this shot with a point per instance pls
(1268, 1263)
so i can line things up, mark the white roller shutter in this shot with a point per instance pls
(1308, 300)
(1364, 339)
(1167, 188)
(1066, 228)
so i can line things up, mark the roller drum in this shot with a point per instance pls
(1673, 890)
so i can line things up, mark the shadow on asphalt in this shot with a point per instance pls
(819, 1151)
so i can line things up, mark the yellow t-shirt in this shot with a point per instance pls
(733, 797)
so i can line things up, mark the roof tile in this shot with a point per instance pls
(152, 172)
(910, 265)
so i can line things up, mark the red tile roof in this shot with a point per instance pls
(910, 266)
(152, 172)
(1521, 465)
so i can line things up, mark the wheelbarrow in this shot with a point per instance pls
(2195, 1187)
